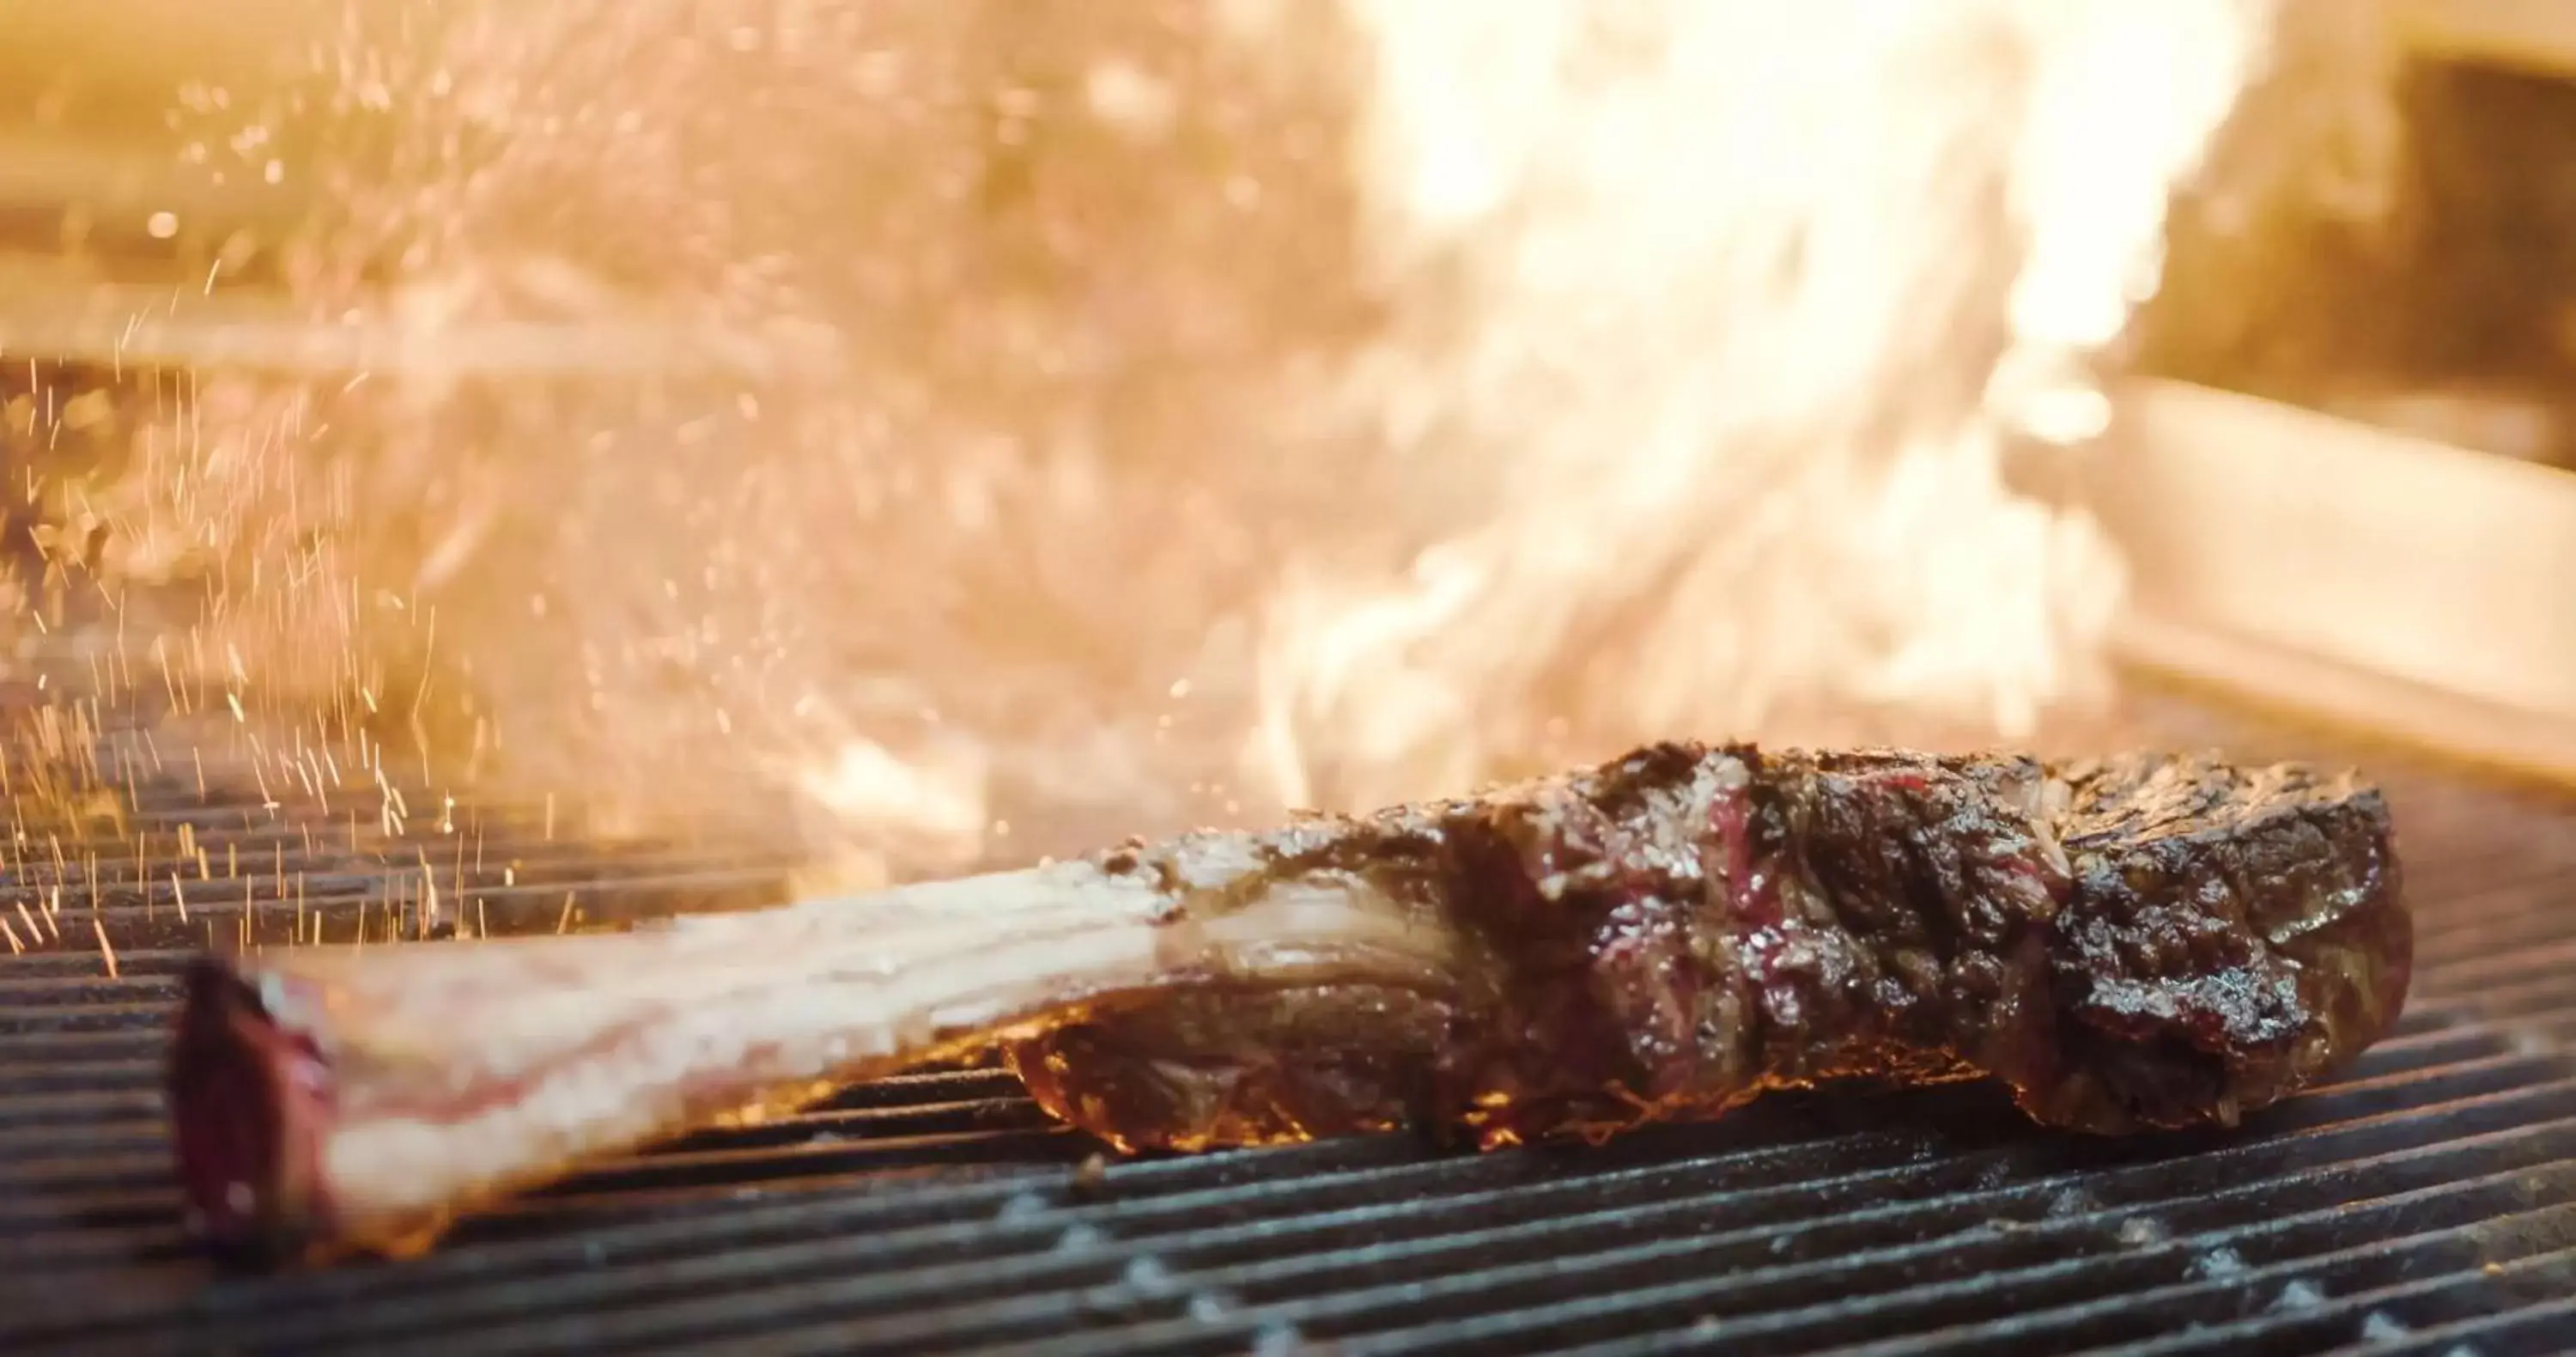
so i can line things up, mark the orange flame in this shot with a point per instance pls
(1122, 419)
(1750, 304)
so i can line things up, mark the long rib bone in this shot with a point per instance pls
(330, 1099)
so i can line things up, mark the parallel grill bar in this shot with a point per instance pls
(978, 1282)
(2539, 1329)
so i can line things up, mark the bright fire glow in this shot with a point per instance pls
(1753, 293)
(1101, 418)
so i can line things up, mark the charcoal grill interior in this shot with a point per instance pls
(2427, 1203)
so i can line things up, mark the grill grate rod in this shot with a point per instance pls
(2006, 1287)
(2292, 1286)
(1132, 1225)
(2536, 1329)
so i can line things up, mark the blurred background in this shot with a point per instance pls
(949, 431)
(2451, 319)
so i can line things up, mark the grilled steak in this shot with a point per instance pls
(2141, 942)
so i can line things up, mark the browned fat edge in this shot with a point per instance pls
(251, 1104)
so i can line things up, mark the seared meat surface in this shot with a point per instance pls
(2139, 942)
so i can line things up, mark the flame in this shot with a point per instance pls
(956, 416)
(1750, 306)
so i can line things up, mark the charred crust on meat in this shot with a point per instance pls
(2129, 943)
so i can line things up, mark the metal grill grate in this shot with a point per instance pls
(2427, 1204)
